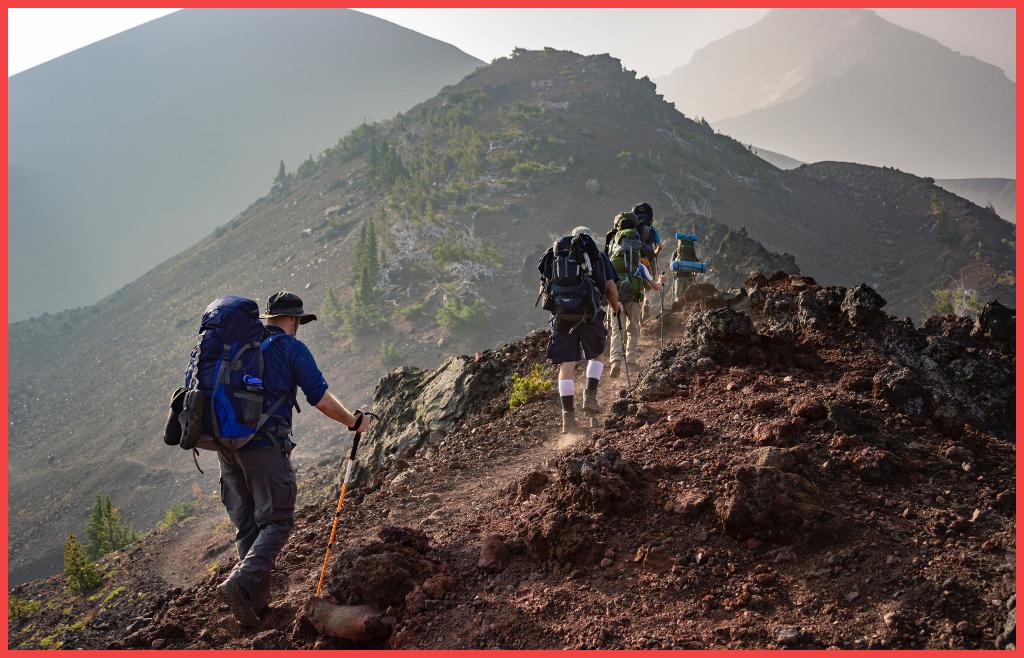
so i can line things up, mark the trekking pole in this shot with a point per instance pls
(622, 339)
(341, 501)
(661, 301)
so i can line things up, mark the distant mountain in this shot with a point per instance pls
(779, 160)
(1000, 193)
(844, 84)
(463, 191)
(988, 34)
(124, 152)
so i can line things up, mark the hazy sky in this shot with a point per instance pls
(650, 41)
(35, 36)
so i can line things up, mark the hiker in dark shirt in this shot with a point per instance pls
(575, 340)
(257, 483)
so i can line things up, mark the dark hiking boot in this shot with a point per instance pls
(569, 424)
(261, 597)
(239, 601)
(590, 404)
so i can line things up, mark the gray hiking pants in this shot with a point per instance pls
(257, 487)
(631, 327)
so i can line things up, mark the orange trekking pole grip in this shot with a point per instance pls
(341, 498)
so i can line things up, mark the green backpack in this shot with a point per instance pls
(626, 252)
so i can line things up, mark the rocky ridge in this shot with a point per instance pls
(813, 474)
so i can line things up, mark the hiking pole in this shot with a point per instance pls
(661, 301)
(622, 339)
(341, 499)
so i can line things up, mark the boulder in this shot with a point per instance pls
(901, 388)
(355, 623)
(773, 505)
(494, 554)
(776, 432)
(686, 427)
(863, 307)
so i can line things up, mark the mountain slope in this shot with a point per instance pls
(846, 85)
(1000, 193)
(464, 190)
(177, 125)
(813, 474)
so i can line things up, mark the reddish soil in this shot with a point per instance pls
(776, 488)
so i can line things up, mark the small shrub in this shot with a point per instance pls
(532, 168)
(176, 513)
(410, 311)
(389, 354)
(457, 315)
(520, 111)
(529, 387)
(22, 608)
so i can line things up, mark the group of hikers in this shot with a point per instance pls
(243, 378)
(578, 282)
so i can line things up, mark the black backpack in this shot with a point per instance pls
(570, 292)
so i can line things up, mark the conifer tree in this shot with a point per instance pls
(330, 310)
(280, 180)
(363, 315)
(80, 574)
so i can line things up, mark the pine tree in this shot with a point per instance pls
(363, 314)
(331, 311)
(80, 574)
(94, 530)
(107, 530)
(280, 180)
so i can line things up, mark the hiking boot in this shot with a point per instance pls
(239, 601)
(615, 371)
(590, 404)
(261, 596)
(569, 422)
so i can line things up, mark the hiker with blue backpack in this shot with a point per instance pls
(240, 389)
(652, 246)
(577, 281)
(685, 265)
(628, 254)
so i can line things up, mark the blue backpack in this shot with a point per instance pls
(222, 400)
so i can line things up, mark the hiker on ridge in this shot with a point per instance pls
(652, 244)
(635, 277)
(576, 279)
(257, 481)
(685, 250)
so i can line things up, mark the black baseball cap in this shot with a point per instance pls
(287, 304)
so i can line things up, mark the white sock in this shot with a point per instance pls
(566, 387)
(594, 369)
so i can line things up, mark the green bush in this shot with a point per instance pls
(410, 311)
(453, 249)
(457, 315)
(520, 111)
(176, 513)
(80, 573)
(528, 387)
(22, 608)
(389, 354)
(532, 168)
